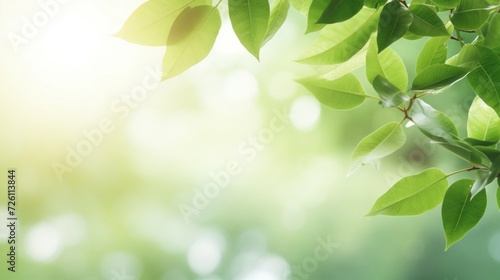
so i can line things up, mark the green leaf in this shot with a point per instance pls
(339, 10)
(459, 213)
(483, 122)
(250, 19)
(413, 195)
(446, 4)
(485, 80)
(426, 22)
(492, 39)
(150, 23)
(332, 72)
(339, 42)
(395, 20)
(188, 21)
(471, 14)
(436, 77)
(389, 94)
(476, 142)
(301, 5)
(374, 3)
(484, 177)
(498, 194)
(434, 52)
(386, 64)
(431, 122)
(343, 93)
(279, 12)
(381, 143)
(468, 57)
(198, 43)
(489, 152)
(465, 151)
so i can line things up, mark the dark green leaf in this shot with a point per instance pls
(381, 143)
(436, 77)
(375, 3)
(426, 22)
(431, 122)
(279, 12)
(490, 152)
(484, 177)
(413, 195)
(395, 20)
(339, 10)
(492, 39)
(471, 14)
(433, 52)
(483, 122)
(389, 94)
(460, 214)
(485, 80)
(475, 142)
(446, 4)
(343, 93)
(465, 151)
(196, 46)
(386, 64)
(250, 19)
(339, 42)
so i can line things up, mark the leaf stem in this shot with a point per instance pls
(462, 170)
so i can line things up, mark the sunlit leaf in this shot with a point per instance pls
(485, 80)
(483, 122)
(196, 46)
(433, 52)
(438, 76)
(468, 57)
(426, 22)
(471, 14)
(431, 122)
(339, 42)
(381, 143)
(413, 195)
(150, 24)
(395, 20)
(386, 64)
(250, 19)
(459, 213)
(343, 93)
(279, 12)
(389, 94)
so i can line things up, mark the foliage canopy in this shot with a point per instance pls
(356, 33)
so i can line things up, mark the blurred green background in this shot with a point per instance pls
(122, 209)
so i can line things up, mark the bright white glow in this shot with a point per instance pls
(205, 254)
(494, 246)
(241, 86)
(71, 41)
(266, 267)
(43, 243)
(71, 227)
(305, 113)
